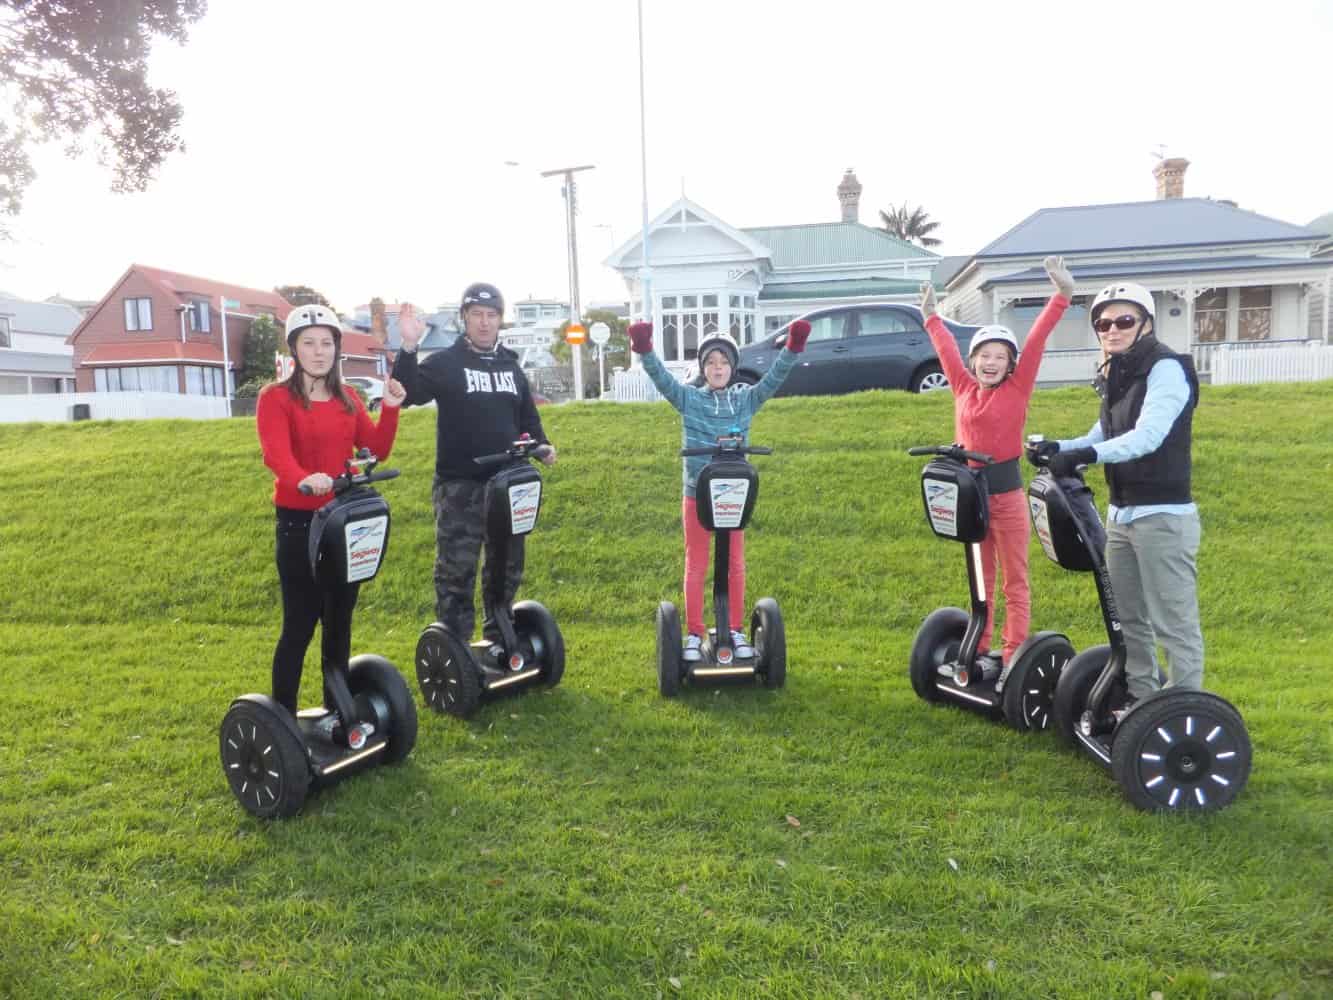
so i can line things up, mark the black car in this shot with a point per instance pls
(875, 346)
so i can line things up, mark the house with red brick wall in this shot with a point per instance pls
(161, 331)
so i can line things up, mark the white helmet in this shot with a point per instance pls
(719, 342)
(993, 333)
(303, 317)
(1124, 291)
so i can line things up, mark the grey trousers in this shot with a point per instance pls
(1153, 566)
(459, 540)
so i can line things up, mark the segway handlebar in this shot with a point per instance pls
(728, 444)
(955, 451)
(359, 472)
(521, 450)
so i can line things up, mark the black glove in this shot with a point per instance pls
(1065, 463)
(1041, 452)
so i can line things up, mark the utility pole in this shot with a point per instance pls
(575, 314)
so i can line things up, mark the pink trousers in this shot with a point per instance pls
(698, 557)
(1006, 543)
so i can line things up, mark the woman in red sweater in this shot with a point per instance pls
(309, 425)
(991, 393)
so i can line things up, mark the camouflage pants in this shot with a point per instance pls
(459, 537)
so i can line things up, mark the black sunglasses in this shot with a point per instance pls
(1125, 322)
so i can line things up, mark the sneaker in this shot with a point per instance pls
(989, 666)
(741, 645)
(1119, 713)
(693, 651)
(945, 670)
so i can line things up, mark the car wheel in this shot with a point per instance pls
(929, 378)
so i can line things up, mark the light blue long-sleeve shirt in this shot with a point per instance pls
(1167, 396)
(706, 414)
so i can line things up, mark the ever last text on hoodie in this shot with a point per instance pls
(483, 400)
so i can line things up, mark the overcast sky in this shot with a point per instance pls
(361, 148)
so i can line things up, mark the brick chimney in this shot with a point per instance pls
(849, 197)
(378, 328)
(1170, 176)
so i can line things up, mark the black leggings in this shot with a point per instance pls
(305, 602)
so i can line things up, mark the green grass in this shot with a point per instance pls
(595, 840)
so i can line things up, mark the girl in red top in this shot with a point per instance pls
(309, 425)
(991, 394)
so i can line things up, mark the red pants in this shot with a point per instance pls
(697, 560)
(1006, 542)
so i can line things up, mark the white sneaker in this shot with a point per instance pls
(741, 645)
(693, 652)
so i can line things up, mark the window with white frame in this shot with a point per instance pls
(6, 335)
(1255, 314)
(138, 314)
(144, 378)
(199, 322)
(1210, 317)
(741, 318)
(201, 380)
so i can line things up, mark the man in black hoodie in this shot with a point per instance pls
(484, 404)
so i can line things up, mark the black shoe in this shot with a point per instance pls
(989, 666)
(1119, 713)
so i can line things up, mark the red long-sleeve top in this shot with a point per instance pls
(297, 442)
(991, 420)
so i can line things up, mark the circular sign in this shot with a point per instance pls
(576, 334)
(600, 333)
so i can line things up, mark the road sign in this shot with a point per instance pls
(600, 333)
(576, 334)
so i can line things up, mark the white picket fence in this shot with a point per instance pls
(634, 386)
(110, 406)
(1234, 364)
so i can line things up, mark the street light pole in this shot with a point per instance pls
(575, 315)
(645, 281)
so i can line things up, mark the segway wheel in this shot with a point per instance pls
(936, 643)
(1185, 750)
(770, 642)
(1074, 688)
(446, 674)
(377, 680)
(264, 757)
(668, 650)
(1029, 691)
(548, 645)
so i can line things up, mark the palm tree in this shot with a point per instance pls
(913, 226)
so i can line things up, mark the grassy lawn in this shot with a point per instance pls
(838, 838)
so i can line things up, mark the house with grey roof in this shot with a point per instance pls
(706, 275)
(34, 357)
(1221, 275)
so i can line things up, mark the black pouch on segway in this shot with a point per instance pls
(348, 537)
(957, 500)
(513, 500)
(1065, 518)
(725, 494)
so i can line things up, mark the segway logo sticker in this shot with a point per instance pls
(365, 547)
(942, 507)
(524, 501)
(728, 497)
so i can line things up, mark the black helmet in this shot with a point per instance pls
(481, 294)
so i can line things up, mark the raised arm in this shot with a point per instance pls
(641, 343)
(946, 348)
(1029, 361)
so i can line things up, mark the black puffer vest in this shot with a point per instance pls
(1162, 477)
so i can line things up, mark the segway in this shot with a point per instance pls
(725, 497)
(944, 665)
(272, 760)
(455, 676)
(1176, 748)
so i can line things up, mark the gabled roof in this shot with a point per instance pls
(683, 212)
(1144, 269)
(824, 244)
(1140, 225)
(360, 345)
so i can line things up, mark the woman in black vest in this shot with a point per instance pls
(1142, 436)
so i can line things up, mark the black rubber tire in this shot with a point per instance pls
(263, 757)
(929, 378)
(936, 643)
(668, 650)
(1181, 750)
(1075, 687)
(769, 637)
(1029, 691)
(375, 678)
(538, 624)
(446, 673)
